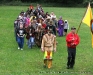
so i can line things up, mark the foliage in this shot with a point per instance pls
(66, 3)
(87, 1)
(56, 2)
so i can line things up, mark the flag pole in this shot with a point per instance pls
(82, 19)
(79, 27)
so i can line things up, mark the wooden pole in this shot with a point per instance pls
(82, 19)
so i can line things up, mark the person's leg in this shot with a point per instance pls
(19, 42)
(62, 30)
(65, 32)
(69, 58)
(59, 32)
(49, 63)
(49, 57)
(68, 62)
(73, 58)
(22, 42)
(32, 41)
(29, 43)
(45, 59)
(45, 63)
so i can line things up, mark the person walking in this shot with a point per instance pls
(51, 27)
(48, 46)
(31, 34)
(20, 38)
(72, 40)
(60, 27)
(66, 27)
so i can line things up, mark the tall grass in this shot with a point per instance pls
(30, 61)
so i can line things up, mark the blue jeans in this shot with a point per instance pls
(20, 41)
(31, 42)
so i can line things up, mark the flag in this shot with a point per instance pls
(88, 20)
(88, 16)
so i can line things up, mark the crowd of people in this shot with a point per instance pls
(41, 28)
(35, 23)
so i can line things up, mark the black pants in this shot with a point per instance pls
(71, 57)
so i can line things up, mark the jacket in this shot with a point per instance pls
(48, 43)
(72, 40)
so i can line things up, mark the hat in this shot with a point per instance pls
(65, 21)
(73, 28)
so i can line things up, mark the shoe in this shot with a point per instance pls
(21, 48)
(45, 66)
(18, 47)
(71, 67)
(68, 67)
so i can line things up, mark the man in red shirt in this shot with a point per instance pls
(72, 40)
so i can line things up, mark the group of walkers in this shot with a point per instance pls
(41, 29)
(35, 24)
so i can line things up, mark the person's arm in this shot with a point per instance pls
(77, 41)
(54, 30)
(56, 23)
(17, 32)
(54, 45)
(42, 45)
(68, 39)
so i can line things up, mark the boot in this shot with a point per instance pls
(45, 63)
(49, 63)
(68, 63)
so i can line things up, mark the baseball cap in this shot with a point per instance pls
(73, 28)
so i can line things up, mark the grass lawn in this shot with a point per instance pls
(30, 61)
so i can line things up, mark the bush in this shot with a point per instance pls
(12, 3)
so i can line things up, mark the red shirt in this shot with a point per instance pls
(72, 40)
(44, 26)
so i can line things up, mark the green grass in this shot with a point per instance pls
(30, 61)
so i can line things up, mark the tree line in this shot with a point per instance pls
(62, 2)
